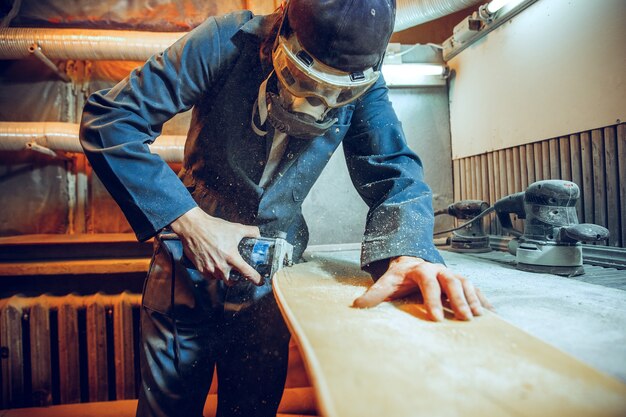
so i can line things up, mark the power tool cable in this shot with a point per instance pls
(479, 216)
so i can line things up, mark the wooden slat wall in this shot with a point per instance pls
(595, 160)
(621, 158)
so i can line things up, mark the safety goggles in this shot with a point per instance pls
(304, 76)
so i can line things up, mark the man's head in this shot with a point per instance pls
(332, 49)
(327, 53)
(348, 35)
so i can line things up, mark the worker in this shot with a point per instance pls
(272, 98)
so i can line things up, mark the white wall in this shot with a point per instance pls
(335, 212)
(559, 67)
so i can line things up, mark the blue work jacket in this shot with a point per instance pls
(216, 69)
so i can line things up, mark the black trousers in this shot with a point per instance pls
(190, 325)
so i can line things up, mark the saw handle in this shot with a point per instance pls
(467, 209)
(513, 203)
(584, 232)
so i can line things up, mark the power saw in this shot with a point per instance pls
(265, 254)
(551, 239)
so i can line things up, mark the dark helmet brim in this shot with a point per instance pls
(349, 35)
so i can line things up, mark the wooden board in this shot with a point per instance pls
(621, 158)
(391, 361)
(88, 266)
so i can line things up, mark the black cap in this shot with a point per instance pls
(349, 35)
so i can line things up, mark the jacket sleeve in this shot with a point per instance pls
(118, 124)
(389, 177)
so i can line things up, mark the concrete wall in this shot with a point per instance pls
(557, 68)
(335, 212)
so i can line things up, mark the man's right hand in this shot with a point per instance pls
(211, 244)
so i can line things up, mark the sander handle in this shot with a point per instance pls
(584, 232)
(467, 209)
(513, 203)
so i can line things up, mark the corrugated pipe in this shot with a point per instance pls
(115, 45)
(415, 12)
(48, 137)
(123, 45)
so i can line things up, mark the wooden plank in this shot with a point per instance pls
(599, 182)
(468, 178)
(347, 349)
(523, 172)
(497, 174)
(484, 177)
(461, 179)
(621, 158)
(295, 402)
(504, 174)
(555, 164)
(491, 190)
(530, 165)
(565, 158)
(124, 355)
(69, 371)
(612, 187)
(577, 173)
(106, 240)
(545, 159)
(478, 173)
(538, 158)
(517, 182)
(40, 359)
(497, 170)
(40, 247)
(587, 172)
(99, 266)
(511, 178)
(484, 181)
(473, 171)
(515, 161)
(469, 169)
(456, 179)
(97, 349)
(510, 172)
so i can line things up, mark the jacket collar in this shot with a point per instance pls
(258, 26)
(252, 33)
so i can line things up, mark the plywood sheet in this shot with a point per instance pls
(390, 360)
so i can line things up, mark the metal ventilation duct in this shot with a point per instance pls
(415, 12)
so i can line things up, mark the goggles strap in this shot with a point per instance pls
(261, 106)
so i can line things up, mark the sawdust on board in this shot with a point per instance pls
(461, 363)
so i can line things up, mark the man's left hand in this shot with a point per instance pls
(407, 275)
